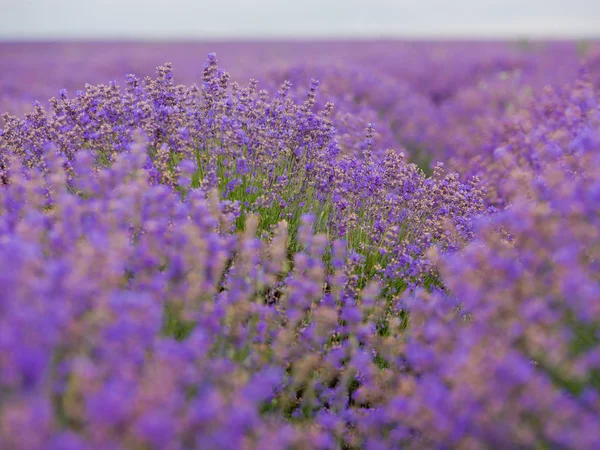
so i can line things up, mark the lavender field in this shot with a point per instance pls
(300, 245)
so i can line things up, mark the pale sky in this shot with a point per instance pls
(222, 19)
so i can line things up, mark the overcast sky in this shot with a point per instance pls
(217, 19)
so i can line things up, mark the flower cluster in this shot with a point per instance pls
(273, 157)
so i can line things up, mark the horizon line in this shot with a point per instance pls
(450, 37)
